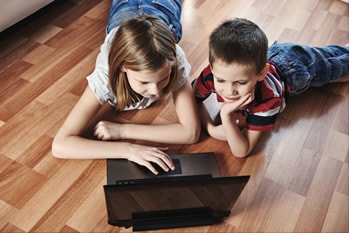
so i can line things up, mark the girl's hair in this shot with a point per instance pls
(239, 40)
(143, 43)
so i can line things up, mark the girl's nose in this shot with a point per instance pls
(154, 89)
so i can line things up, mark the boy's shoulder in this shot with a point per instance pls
(205, 76)
(207, 72)
(273, 80)
(271, 86)
(270, 93)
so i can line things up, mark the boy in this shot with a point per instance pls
(253, 82)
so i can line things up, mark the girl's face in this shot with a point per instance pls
(235, 80)
(149, 84)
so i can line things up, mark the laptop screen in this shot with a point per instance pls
(170, 194)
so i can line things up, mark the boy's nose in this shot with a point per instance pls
(232, 90)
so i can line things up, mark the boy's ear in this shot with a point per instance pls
(263, 73)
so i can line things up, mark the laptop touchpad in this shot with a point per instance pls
(177, 170)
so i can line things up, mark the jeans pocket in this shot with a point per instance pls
(170, 6)
(117, 3)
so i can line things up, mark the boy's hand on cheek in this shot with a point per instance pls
(229, 107)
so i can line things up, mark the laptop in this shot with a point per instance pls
(185, 165)
(187, 197)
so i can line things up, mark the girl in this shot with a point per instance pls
(139, 63)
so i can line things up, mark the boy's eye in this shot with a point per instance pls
(220, 80)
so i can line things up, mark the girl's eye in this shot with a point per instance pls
(220, 80)
(165, 79)
(161, 81)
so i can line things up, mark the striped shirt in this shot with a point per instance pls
(269, 99)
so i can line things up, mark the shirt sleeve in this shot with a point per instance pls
(183, 68)
(98, 80)
(203, 85)
(260, 123)
(269, 102)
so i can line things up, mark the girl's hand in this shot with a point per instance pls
(145, 155)
(105, 130)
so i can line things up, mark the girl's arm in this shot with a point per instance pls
(185, 131)
(69, 143)
(188, 131)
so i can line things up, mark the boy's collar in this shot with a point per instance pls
(219, 98)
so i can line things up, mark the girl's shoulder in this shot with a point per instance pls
(179, 51)
(110, 37)
(184, 67)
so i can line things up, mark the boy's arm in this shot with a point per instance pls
(208, 123)
(241, 143)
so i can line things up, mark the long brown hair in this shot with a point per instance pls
(144, 43)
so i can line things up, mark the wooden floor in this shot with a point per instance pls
(299, 172)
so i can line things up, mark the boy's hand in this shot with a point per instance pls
(229, 107)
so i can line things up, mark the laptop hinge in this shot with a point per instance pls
(172, 219)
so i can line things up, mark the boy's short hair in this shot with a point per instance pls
(239, 40)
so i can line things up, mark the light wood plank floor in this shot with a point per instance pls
(299, 172)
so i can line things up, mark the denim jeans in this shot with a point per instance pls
(169, 11)
(303, 66)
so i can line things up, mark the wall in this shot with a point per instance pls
(12, 11)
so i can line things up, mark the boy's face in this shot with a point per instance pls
(235, 80)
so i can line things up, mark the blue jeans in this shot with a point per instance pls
(169, 11)
(303, 66)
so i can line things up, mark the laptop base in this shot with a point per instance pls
(172, 219)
